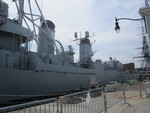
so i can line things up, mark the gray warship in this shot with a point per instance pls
(51, 70)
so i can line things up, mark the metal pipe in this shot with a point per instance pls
(32, 16)
(129, 19)
(105, 100)
(20, 11)
(14, 107)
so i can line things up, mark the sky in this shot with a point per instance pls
(98, 17)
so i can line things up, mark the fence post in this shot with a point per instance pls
(140, 89)
(105, 100)
(59, 106)
(124, 95)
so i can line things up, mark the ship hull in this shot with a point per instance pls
(19, 84)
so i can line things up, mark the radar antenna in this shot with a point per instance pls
(87, 36)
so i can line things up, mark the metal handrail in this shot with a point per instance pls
(83, 92)
(24, 105)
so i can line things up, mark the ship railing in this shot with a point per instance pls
(90, 101)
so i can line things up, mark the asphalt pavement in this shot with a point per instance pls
(132, 105)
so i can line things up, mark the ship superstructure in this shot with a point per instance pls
(51, 70)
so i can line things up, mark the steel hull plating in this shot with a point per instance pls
(20, 84)
(24, 84)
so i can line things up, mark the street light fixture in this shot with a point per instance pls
(117, 28)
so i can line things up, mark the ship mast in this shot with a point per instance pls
(20, 8)
(29, 17)
(20, 11)
(145, 51)
(42, 31)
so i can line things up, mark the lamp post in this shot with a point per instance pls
(117, 27)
